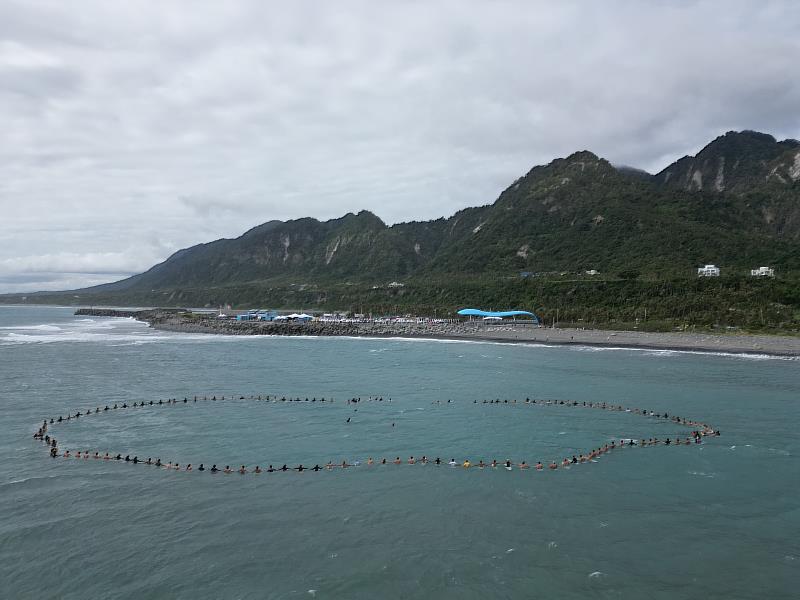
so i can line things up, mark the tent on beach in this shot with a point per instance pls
(492, 315)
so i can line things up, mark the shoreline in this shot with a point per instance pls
(690, 348)
(466, 331)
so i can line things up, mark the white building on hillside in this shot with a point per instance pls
(708, 271)
(762, 272)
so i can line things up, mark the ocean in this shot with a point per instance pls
(715, 520)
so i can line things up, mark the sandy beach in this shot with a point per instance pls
(701, 342)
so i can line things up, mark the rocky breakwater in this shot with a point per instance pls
(107, 312)
(188, 322)
(193, 323)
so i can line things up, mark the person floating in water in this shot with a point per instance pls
(214, 469)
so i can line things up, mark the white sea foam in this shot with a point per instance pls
(43, 327)
(577, 347)
(128, 329)
(701, 474)
(596, 574)
(779, 451)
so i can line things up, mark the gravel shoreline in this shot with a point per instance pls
(471, 331)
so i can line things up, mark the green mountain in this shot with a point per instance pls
(574, 214)
(737, 162)
(736, 204)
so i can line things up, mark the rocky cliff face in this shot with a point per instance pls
(736, 162)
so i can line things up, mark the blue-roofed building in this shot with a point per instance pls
(497, 314)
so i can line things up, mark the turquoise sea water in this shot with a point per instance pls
(720, 520)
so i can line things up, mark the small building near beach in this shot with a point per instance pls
(708, 271)
(762, 272)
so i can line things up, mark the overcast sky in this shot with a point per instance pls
(129, 130)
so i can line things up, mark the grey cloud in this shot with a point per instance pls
(134, 129)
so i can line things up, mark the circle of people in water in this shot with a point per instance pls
(694, 437)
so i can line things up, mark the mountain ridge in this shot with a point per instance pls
(574, 214)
